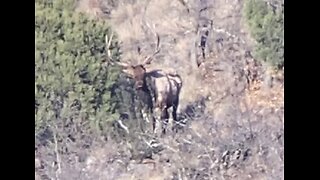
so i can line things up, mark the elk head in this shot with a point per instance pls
(138, 72)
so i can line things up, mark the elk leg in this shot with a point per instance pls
(153, 123)
(140, 118)
(175, 118)
(153, 120)
(164, 119)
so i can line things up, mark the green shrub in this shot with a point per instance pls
(266, 27)
(70, 82)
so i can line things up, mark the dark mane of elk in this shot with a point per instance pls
(145, 94)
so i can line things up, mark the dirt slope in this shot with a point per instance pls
(234, 119)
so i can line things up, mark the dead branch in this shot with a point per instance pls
(108, 41)
(58, 158)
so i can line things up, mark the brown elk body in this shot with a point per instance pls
(162, 87)
(165, 88)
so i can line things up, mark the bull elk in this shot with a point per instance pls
(161, 88)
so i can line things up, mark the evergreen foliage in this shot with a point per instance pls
(70, 82)
(266, 25)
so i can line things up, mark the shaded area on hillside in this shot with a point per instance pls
(231, 116)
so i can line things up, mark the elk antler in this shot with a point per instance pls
(122, 64)
(109, 57)
(157, 49)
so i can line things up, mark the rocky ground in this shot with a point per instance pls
(232, 109)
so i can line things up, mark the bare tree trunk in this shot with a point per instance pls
(201, 33)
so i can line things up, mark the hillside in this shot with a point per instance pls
(231, 106)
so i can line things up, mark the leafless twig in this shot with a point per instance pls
(108, 44)
(56, 149)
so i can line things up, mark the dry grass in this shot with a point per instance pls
(135, 23)
(169, 19)
(227, 119)
(90, 7)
